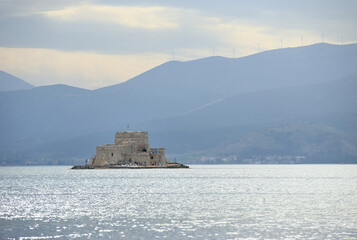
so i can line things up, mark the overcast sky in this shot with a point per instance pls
(92, 44)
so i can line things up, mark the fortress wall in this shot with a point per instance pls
(106, 155)
(119, 155)
(128, 147)
(138, 158)
(158, 155)
(141, 139)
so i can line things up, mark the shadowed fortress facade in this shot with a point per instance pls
(129, 149)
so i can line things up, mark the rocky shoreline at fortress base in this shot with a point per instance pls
(130, 150)
(170, 165)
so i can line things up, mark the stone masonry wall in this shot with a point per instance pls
(158, 155)
(141, 139)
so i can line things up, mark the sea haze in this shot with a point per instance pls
(203, 202)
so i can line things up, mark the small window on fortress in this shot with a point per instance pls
(144, 149)
(112, 154)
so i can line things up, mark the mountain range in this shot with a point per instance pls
(292, 105)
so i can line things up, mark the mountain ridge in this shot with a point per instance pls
(321, 49)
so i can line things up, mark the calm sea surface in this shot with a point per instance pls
(203, 202)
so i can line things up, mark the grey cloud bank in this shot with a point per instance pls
(197, 24)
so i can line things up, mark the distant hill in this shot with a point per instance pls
(189, 107)
(307, 124)
(301, 143)
(268, 106)
(177, 87)
(9, 82)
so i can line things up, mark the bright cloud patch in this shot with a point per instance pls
(249, 38)
(137, 17)
(227, 36)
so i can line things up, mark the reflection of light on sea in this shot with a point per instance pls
(203, 202)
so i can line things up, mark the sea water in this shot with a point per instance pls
(203, 202)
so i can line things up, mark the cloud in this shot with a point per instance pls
(92, 46)
(81, 69)
(136, 17)
(249, 38)
(136, 29)
(20, 8)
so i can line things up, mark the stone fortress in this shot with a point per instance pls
(130, 150)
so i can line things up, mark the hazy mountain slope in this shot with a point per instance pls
(9, 82)
(204, 94)
(335, 97)
(279, 143)
(177, 87)
(40, 114)
(218, 76)
(295, 143)
(330, 105)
